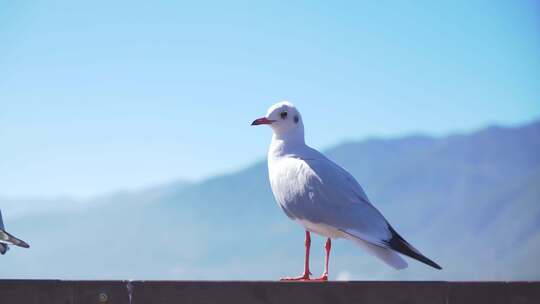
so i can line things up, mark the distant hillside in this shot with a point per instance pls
(470, 202)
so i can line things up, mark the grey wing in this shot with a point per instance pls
(333, 197)
(338, 200)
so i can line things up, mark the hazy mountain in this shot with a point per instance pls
(471, 202)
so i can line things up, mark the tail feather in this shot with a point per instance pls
(399, 244)
(387, 255)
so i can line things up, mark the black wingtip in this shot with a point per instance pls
(16, 241)
(399, 244)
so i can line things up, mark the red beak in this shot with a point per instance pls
(261, 121)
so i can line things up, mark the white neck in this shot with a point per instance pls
(287, 142)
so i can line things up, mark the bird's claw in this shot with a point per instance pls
(322, 278)
(304, 277)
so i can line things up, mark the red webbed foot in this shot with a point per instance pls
(304, 277)
(322, 278)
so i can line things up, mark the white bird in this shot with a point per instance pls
(6, 239)
(324, 198)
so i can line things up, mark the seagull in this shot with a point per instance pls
(6, 238)
(324, 198)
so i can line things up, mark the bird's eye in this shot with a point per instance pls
(283, 115)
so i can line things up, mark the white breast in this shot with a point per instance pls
(321, 229)
(288, 182)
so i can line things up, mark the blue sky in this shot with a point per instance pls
(100, 96)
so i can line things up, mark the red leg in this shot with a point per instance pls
(305, 275)
(327, 247)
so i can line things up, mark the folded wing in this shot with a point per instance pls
(333, 197)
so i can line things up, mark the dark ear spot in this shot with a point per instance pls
(296, 119)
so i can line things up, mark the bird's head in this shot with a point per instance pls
(283, 118)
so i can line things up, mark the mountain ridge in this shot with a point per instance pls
(466, 201)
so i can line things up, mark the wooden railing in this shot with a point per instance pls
(165, 292)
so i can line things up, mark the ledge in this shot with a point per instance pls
(223, 292)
